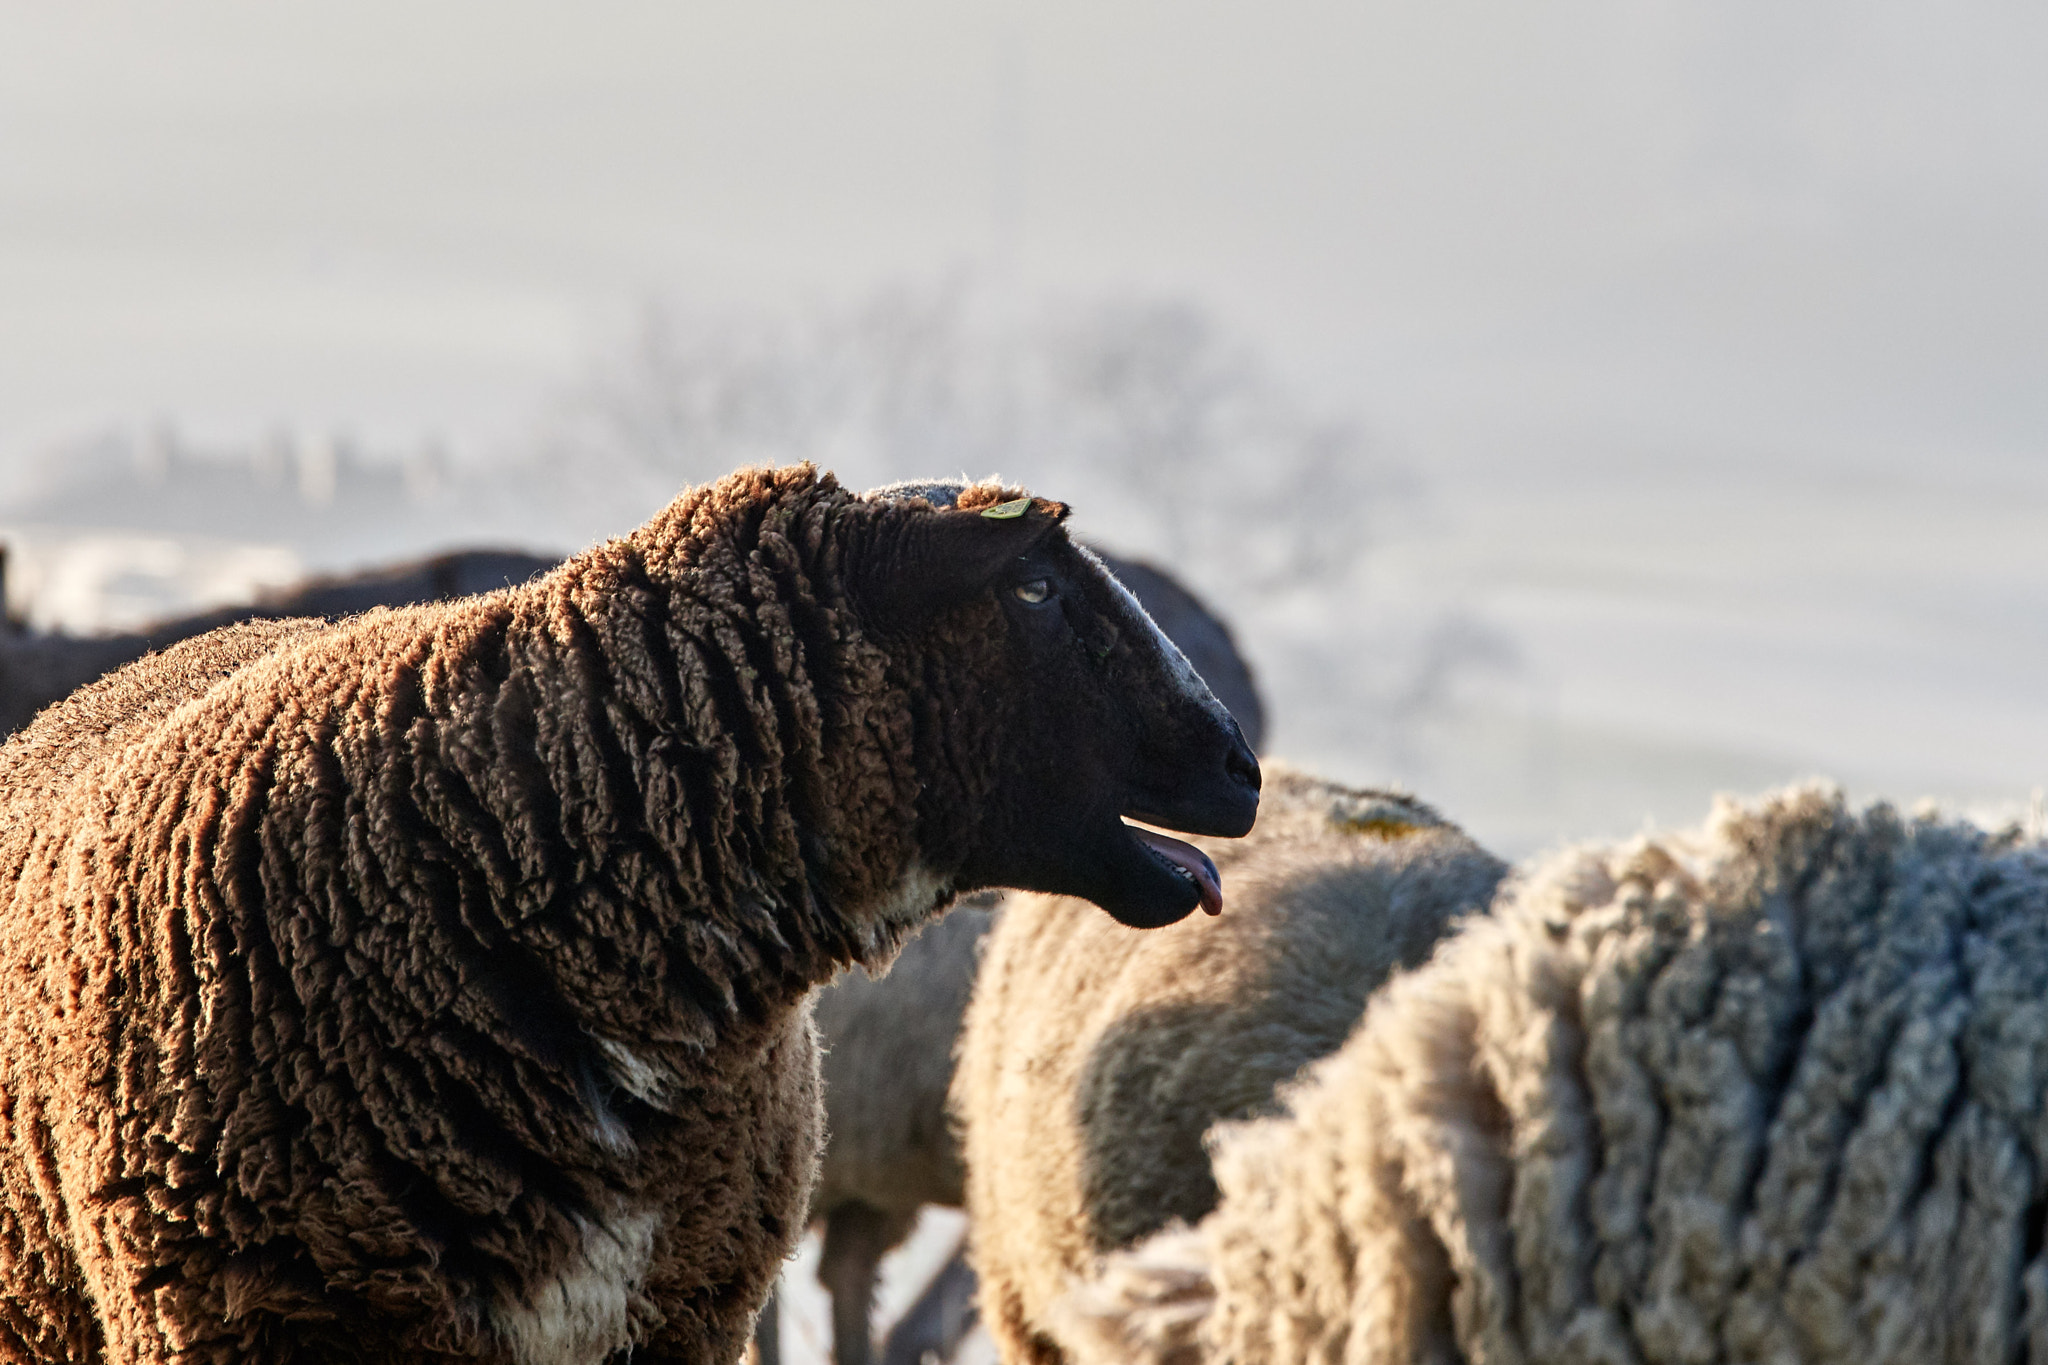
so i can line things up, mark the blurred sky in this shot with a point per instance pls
(1719, 330)
(1810, 222)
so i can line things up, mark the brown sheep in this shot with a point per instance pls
(889, 1146)
(1766, 1091)
(1093, 1063)
(432, 986)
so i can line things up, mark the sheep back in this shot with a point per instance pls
(1771, 1092)
(36, 670)
(1094, 1059)
(317, 941)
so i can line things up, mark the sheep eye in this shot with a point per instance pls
(1034, 592)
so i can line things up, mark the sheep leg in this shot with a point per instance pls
(933, 1327)
(856, 1236)
(1017, 1341)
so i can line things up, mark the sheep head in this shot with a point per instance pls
(1049, 707)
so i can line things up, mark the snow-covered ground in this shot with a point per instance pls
(807, 1312)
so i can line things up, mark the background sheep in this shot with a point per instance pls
(1092, 1063)
(433, 984)
(888, 1062)
(1770, 1092)
(888, 1045)
(36, 670)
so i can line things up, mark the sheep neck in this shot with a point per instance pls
(719, 802)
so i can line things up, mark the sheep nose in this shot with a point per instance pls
(1241, 764)
(1179, 790)
(1236, 806)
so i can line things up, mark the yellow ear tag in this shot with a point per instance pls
(1007, 511)
(1380, 827)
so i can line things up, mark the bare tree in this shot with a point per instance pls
(1162, 426)
(1148, 406)
(1222, 461)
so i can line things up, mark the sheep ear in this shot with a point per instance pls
(942, 557)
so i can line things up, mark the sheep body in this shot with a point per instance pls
(1768, 1092)
(433, 985)
(1092, 1064)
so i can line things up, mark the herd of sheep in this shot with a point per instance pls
(500, 970)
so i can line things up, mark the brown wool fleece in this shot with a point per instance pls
(1094, 1060)
(428, 985)
(1767, 1091)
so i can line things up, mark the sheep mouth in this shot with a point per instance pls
(1185, 861)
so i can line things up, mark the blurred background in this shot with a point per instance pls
(1575, 409)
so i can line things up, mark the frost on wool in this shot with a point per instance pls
(1768, 1092)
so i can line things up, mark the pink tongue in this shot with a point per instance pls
(1192, 860)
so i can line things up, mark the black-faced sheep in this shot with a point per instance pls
(1092, 1063)
(1769, 1092)
(36, 670)
(432, 985)
(888, 1044)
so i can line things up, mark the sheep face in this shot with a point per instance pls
(1050, 708)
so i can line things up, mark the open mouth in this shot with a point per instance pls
(1185, 861)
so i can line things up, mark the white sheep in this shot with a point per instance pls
(1773, 1092)
(1092, 1063)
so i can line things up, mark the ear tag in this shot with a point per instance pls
(1007, 511)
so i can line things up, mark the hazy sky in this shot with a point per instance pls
(1718, 329)
(1810, 225)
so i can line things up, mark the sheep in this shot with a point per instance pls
(888, 1043)
(433, 985)
(888, 1062)
(36, 670)
(1771, 1091)
(1092, 1063)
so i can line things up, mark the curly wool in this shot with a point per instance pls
(1770, 1092)
(1093, 1062)
(375, 989)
